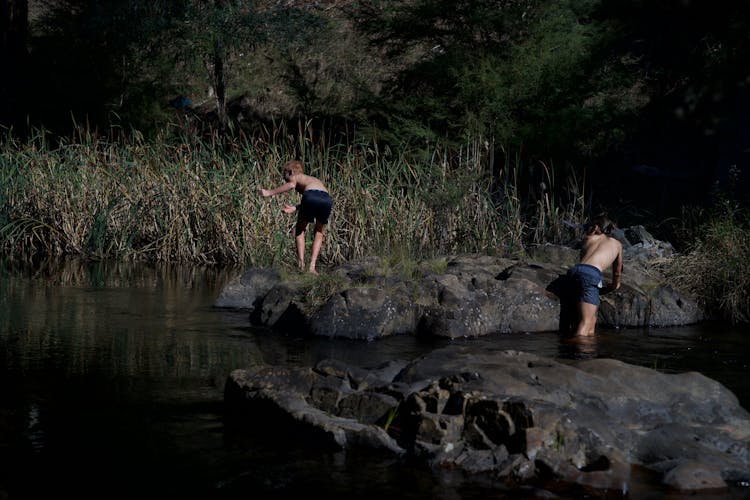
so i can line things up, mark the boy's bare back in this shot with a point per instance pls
(600, 251)
(303, 182)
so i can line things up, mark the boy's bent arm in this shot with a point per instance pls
(617, 267)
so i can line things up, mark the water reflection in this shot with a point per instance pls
(122, 319)
(579, 347)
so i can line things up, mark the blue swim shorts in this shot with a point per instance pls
(586, 280)
(315, 206)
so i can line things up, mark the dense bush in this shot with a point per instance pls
(716, 266)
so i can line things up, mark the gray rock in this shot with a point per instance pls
(694, 476)
(364, 312)
(475, 295)
(519, 417)
(249, 289)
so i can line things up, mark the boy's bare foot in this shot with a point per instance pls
(313, 271)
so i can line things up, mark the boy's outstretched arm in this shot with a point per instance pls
(265, 193)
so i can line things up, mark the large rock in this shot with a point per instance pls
(517, 417)
(248, 290)
(463, 295)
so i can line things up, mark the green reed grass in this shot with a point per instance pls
(555, 206)
(716, 267)
(191, 200)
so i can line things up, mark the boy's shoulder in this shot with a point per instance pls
(614, 240)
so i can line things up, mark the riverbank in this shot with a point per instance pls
(466, 295)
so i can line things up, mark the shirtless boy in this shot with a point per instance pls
(315, 207)
(599, 251)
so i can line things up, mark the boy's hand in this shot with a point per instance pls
(265, 193)
(288, 209)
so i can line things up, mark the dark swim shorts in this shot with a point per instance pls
(586, 280)
(315, 206)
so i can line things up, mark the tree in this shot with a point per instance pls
(79, 67)
(211, 30)
(13, 60)
(533, 74)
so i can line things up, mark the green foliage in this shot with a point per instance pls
(75, 65)
(509, 70)
(390, 417)
(559, 442)
(564, 80)
(316, 290)
(472, 102)
(716, 268)
(197, 201)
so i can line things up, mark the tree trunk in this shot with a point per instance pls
(220, 86)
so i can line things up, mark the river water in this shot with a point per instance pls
(112, 376)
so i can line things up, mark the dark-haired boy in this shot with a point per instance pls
(599, 250)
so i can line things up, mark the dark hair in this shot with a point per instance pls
(602, 222)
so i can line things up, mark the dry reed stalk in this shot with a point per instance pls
(197, 202)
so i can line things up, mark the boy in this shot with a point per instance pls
(598, 251)
(315, 207)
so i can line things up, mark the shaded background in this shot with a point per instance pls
(645, 101)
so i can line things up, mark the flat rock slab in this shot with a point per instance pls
(517, 417)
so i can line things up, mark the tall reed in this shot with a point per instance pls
(195, 200)
(716, 266)
(555, 207)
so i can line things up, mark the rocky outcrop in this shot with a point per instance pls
(516, 417)
(462, 295)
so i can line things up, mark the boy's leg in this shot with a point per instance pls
(316, 244)
(299, 239)
(586, 318)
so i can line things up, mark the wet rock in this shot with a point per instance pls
(695, 476)
(518, 417)
(471, 296)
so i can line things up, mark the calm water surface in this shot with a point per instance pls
(111, 380)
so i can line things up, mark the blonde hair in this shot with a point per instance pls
(295, 166)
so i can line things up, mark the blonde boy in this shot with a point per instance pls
(315, 206)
